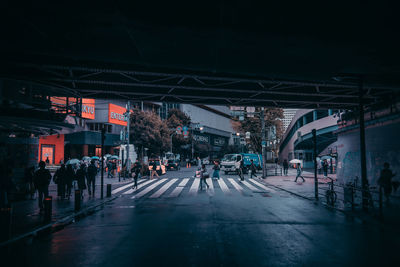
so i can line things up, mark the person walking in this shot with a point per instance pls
(41, 179)
(285, 167)
(81, 178)
(153, 164)
(109, 170)
(253, 169)
(47, 160)
(216, 169)
(241, 170)
(299, 172)
(203, 176)
(385, 180)
(325, 168)
(136, 172)
(29, 172)
(91, 177)
(60, 179)
(69, 179)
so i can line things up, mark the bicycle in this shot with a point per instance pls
(330, 193)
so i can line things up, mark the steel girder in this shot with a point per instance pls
(195, 88)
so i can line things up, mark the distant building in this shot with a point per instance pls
(288, 115)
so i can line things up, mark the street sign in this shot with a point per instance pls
(185, 133)
(185, 128)
(179, 130)
(247, 135)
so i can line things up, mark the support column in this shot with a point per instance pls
(363, 158)
(314, 136)
(314, 115)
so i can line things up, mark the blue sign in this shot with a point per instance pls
(263, 143)
(185, 128)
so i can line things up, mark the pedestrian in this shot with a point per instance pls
(81, 178)
(60, 179)
(69, 179)
(385, 180)
(253, 169)
(216, 169)
(153, 165)
(198, 161)
(91, 177)
(325, 168)
(136, 172)
(29, 172)
(41, 179)
(109, 169)
(241, 170)
(285, 167)
(203, 176)
(47, 160)
(299, 172)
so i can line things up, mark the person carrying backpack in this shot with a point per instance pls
(41, 180)
(91, 177)
(253, 169)
(203, 176)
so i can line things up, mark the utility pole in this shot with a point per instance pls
(128, 126)
(103, 136)
(263, 142)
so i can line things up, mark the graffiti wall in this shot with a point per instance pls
(382, 145)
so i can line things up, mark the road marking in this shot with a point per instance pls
(252, 187)
(211, 184)
(184, 182)
(223, 186)
(235, 185)
(130, 191)
(163, 189)
(148, 189)
(179, 188)
(262, 186)
(195, 186)
(124, 187)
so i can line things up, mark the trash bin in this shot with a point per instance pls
(48, 208)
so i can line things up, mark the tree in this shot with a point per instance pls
(178, 118)
(272, 117)
(149, 131)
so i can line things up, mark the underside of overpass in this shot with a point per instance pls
(312, 55)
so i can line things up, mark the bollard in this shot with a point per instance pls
(5, 223)
(48, 208)
(108, 190)
(77, 200)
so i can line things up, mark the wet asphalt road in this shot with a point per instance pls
(237, 225)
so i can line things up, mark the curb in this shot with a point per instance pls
(64, 220)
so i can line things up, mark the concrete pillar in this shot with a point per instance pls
(330, 112)
(304, 120)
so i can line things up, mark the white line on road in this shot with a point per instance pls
(211, 184)
(223, 186)
(163, 189)
(262, 186)
(124, 187)
(195, 186)
(148, 189)
(130, 191)
(235, 185)
(179, 188)
(184, 182)
(252, 187)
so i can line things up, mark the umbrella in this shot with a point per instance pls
(325, 157)
(107, 155)
(96, 157)
(73, 161)
(114, 157)
(295, 161)
(86, 158)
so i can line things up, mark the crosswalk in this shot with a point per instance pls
(174, 187)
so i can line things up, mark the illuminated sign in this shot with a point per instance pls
(88, 111)
(116, 115)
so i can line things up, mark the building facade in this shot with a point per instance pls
(288, 115)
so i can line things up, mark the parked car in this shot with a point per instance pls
(160, 166)
(173, 164)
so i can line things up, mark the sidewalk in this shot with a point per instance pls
(26, 216)
(306, 189)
